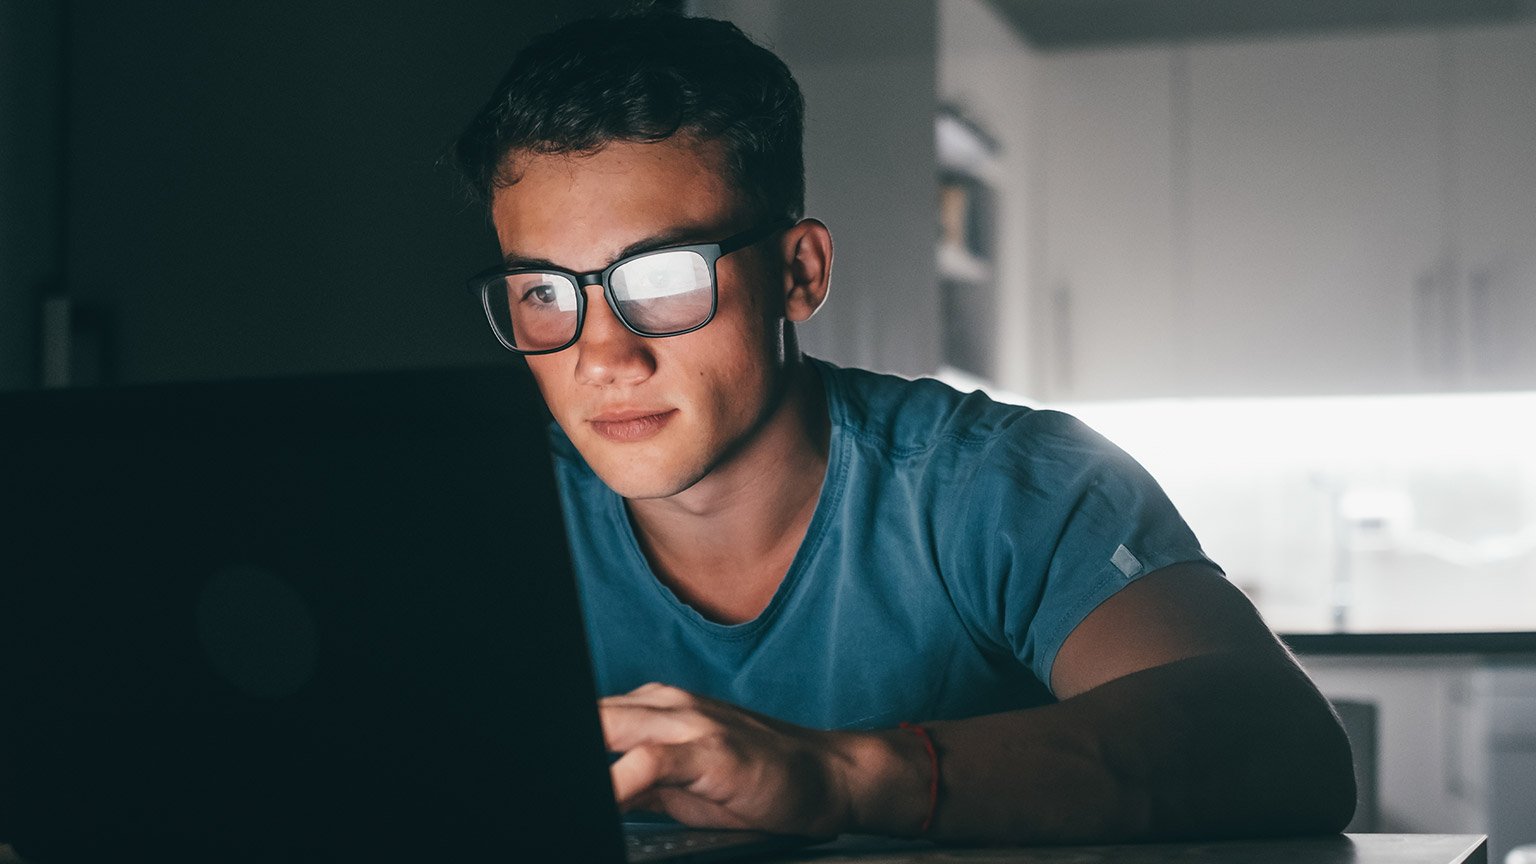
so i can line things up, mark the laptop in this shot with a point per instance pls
(328, 618)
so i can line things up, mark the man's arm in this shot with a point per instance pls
(1180, 716)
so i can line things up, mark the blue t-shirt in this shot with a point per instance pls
(956, 542)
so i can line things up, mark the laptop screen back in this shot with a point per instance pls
(326, 618)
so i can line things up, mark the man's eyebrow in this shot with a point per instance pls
(678, 236)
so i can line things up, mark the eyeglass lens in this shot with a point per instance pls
(658, 294)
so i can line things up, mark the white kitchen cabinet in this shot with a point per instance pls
(1508, 723)
(1424, 756)
(1456, 740)
(1327, 214)
(1492, 122)
(1315, 208)
(1104, 291)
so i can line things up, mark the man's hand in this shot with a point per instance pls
(709, 763)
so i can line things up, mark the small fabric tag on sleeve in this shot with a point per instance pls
(1127, 562)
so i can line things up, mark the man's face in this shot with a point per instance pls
(651, 416)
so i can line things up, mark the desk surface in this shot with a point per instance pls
(1340, 849)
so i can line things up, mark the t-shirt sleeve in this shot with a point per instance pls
(1056, 519)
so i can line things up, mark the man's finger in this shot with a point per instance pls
(656, 695)
(628, 726)
(640, 771)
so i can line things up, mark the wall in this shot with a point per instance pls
(253, 188)
(870, 89)
(992, 76)
(31, 88)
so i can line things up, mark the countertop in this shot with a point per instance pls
(1335, 849)
(1412, 643)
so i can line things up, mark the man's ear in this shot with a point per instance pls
(808, 268)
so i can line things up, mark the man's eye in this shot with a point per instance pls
(540, 294)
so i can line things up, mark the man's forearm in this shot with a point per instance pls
(1221, 745)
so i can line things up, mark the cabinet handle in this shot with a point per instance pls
(1061, 323)
(1427, 314)
(1451, 747)
(1482, 351)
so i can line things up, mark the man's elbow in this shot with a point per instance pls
(1337, 793)
(1315, 792)
(1277, 760)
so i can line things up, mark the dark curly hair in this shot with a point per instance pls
(639, 78)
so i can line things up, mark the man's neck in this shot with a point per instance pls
(724, 544)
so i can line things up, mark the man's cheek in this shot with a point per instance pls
(546, 376)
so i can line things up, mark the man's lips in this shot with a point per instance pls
(630, 425)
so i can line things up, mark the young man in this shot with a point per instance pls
(786, 564)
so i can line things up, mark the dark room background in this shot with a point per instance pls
(208, 190)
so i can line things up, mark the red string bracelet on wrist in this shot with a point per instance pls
(933, 784)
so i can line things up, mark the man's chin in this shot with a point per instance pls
(642, 489)
(643, 479)
(643, 470)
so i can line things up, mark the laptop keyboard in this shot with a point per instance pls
(658, 844)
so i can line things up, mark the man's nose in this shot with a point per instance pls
(608, 352)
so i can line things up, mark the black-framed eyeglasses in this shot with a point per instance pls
(661, 292)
